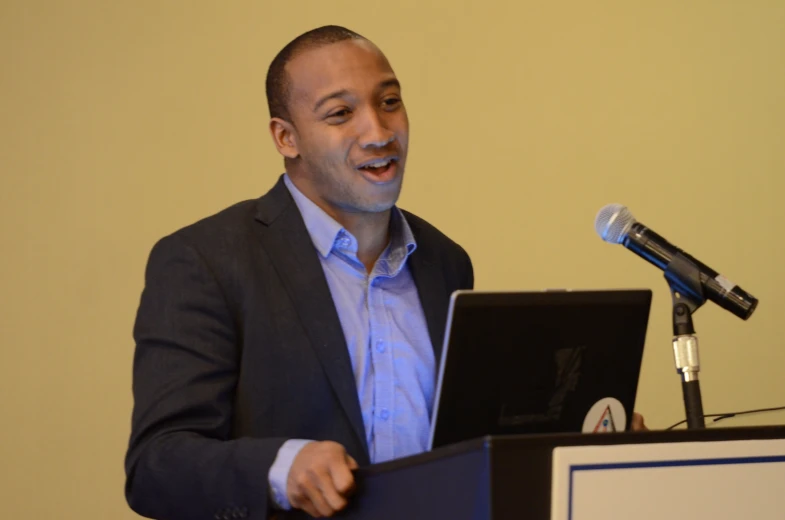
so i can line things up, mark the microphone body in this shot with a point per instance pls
(691, 283)
(659, 252)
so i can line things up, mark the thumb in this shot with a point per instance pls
(351, 462)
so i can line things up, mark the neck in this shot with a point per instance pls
(372, 230)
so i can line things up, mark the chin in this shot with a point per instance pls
(376, 206)
(383, 202)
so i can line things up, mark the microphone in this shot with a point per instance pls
(616, 224)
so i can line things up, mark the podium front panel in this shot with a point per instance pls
(696, 480)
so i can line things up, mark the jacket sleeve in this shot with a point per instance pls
(181, 461)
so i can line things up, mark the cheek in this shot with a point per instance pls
(401, 127)
(322, 146)
(330, 155)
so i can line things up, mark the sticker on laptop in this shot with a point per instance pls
(606, 416)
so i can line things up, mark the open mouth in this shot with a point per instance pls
(379, 166)
(380, 171)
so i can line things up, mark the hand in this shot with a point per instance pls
(320, 479)
(638, 424)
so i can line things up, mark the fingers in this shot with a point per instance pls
(299, 500)
(638, 423)
(320, 479)
(332, 494)
(342, 478)
(312, 499)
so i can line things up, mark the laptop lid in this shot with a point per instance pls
(539, 362)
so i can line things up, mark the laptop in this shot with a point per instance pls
(539, 362)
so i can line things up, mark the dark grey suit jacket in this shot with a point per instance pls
(239, 347)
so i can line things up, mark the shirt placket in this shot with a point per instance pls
(384, 378)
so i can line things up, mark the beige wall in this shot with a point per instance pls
(122, 121)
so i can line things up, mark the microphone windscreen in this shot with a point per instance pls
(612, 223)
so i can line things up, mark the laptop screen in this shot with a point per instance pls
(539, 362)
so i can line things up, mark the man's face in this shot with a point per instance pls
(350, 130)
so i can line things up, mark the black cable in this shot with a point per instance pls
(721, 416)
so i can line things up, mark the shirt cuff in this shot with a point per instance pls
(279, 471)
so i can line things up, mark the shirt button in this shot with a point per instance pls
(384, 414)
(380, 346)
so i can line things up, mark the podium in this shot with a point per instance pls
(711, 473)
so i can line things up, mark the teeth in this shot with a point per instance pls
(378, 164)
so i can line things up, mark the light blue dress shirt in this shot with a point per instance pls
(386, 334)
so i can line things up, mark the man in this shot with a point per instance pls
(286, 340)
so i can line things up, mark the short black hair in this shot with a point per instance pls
(278, 84)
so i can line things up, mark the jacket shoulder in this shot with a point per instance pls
(431, 236)
(439, 248)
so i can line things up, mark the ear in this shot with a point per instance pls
(284, 137)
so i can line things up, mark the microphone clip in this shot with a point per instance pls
(683, 278)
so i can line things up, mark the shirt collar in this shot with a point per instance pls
(327, 234)
(402, 242)
(324, 230)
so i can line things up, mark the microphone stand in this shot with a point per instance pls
(683, 278)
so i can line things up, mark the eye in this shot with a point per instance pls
(391, 103)
(338, 116)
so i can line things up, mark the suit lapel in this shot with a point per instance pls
(432, 291)
(285, 238)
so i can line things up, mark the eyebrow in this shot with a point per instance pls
(338, 94)
(344, 92)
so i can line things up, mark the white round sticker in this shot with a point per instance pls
(606, 416)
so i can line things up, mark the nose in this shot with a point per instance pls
(375, 132)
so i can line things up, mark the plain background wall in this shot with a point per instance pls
(123, 121)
